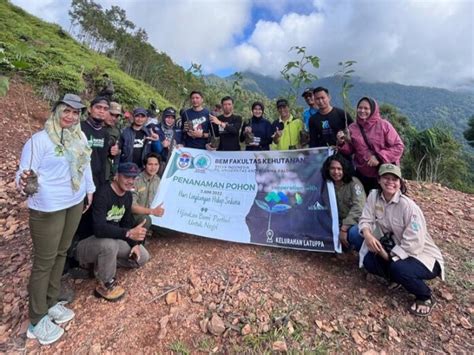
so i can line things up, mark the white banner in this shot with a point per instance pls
(274, 198)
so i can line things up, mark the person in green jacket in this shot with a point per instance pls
(287, 128)
(350, 196)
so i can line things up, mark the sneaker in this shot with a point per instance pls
(110, 291)
(60, 314)
(45, 331)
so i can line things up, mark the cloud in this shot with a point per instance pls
(407, 41)
(411, 42)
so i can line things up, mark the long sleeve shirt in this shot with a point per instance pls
(350, 202)
(55, 190)
(112, 214)
(405, 220)
(384, 139)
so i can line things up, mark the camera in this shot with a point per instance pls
(387, 242)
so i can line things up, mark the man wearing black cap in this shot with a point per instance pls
(136, 140)
(312, 108)
(110, 123)
(324, 125)
(98, 138)
(115, 242)
(169, 132)
(287, 128)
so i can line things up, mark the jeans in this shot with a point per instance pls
(410, 273)
(354, 238)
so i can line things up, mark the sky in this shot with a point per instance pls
(412, 42)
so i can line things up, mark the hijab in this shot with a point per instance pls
(69, 143)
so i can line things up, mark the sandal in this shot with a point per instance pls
(394, 286)
(429, 304)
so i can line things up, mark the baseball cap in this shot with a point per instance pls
(140, 111)
(115, 108)
(390, 169)
(128, 169)
(281, 103)
(307, 91)
(98, 99)
(71, 100)
(169, 111)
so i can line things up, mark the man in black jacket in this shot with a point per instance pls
(115, 240)
(226, 126)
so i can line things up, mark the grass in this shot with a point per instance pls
(179, 347)
(205, 344)
(49, 57)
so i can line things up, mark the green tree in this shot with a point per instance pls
(299, 72)
(345, 73)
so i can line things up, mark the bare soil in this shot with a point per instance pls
(254, 299)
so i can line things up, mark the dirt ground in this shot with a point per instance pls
(254, 299)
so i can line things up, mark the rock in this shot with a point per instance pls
(357, 338)
(96, 349)
(279, 346)
(393, 335)
(377, 328)
(246, 329)
(465, 323)
(195, 281)
(172, 297)
(212, 306)
(197, 298)
(163, 323)
(291, 329)
(203, 325)
(216, 325)
(446, 295)
(278, 296)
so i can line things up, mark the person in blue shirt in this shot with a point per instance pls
(312, 108)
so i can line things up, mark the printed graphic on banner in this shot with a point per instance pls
(275, 198)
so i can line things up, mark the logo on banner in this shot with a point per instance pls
(184, 161)
(276, 202)
(202, 162)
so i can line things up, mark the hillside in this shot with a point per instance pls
(268, 299)
(56, 63)
(423, 106)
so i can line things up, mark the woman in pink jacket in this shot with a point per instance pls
(372, 140)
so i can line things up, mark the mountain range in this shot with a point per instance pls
(424, 106)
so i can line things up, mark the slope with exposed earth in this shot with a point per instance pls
(233, 298)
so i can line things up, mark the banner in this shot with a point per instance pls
(273, 198)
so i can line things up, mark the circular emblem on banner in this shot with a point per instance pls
(184, 161)
(202, 162)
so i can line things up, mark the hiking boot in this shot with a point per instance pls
(45, 331)
(109, 291)
(60, 314)
(66, 293)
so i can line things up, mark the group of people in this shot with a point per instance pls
(96, 184)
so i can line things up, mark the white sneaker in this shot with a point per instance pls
(45, 331)
(60, 314)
